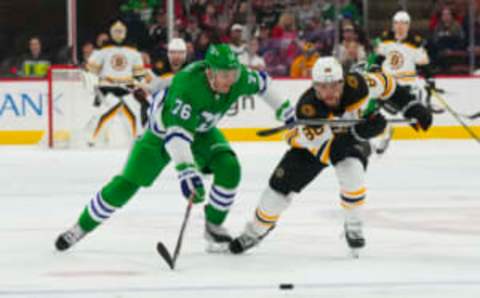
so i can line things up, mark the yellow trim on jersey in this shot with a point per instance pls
(410, 45)
(357, 105)
(325, 157)
(389, 87)
(405, 73)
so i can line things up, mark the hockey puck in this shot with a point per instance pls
(286, 286)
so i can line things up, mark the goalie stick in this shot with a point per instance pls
(318, 122)
(162, 249)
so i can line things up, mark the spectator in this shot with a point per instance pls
(350, 50)
(348, 10)
(302, 65)
(143, 8)
(190, 52)
(87, 50)
(263, 36)
(35, 63)
(306, 11)
(251, 58)
(158, 31)
(267, 13)
(102, 40)
(237, 44)
(448, 34)
(208, 21)
(285, 29)
(201, 45)
(447, 38)
(241, 13)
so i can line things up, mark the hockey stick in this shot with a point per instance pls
(455, 115)
(319, 122)
(162, 249)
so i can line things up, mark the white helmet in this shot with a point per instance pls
(402, 16)
(327, 70)
(177, 44)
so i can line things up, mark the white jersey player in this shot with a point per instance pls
(402, 51)
(401, 54)
(120, 69)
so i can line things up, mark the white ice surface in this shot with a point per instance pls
(422, 230)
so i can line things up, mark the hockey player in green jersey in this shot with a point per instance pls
(183, 129)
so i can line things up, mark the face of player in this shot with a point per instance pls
(118, 35)
(401, 29)
(329, 93)
(222, 80)
(177, 58)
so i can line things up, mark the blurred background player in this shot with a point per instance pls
(333, 96)
(184, 130)
(120, 69)
(176, 60)
(400, 53)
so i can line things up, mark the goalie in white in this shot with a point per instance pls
(120, 69)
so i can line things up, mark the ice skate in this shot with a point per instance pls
(248, 239)
(69, 238)
(354, 237)
(217, 238)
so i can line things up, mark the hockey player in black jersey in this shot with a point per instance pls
(332, 96)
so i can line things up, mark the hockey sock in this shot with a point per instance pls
(227, 173)
(113, 196)
(268, 211)
(350, 174)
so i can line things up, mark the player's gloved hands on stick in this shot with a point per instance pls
(373, 125)
(286, 113)
(191, 182)
(420, 113)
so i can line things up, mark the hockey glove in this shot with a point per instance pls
(372, 126)
(191, 182)
(286, 113)
(420, 113)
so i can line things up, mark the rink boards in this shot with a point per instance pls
(24, 110)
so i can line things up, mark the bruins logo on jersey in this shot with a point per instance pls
(352, 82)
(308, 110)
(396, 60)
(118, 62)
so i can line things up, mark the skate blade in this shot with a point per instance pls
(217, 248)
(355, 253)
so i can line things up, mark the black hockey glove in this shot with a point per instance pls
(372, 126)
(420, 113)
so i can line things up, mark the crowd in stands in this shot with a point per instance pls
(283, 37)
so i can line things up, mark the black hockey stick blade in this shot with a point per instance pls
(474, 116)
(163, 251)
